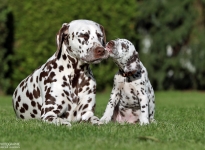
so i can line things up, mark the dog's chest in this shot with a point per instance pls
(128, 94)
(128, 107)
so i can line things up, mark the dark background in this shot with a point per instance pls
(169, 36)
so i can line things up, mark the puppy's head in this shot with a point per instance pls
(124, 55)
(82, 39)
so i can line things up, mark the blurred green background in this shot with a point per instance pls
(169, 36)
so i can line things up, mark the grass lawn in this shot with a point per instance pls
(180, 125)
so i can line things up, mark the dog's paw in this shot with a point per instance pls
(95, 120)
(104, 120)
(66, 123)
(144, 121)
(101, 122)
(60, 121)
(153, 121)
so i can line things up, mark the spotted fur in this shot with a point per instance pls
(132, 98)
(63, 89)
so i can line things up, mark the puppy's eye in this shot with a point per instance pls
(86, 36)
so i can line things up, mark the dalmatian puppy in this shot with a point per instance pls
(132, 97)
(63, 89)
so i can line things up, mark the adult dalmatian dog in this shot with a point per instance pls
(63, 89)
(132, 98)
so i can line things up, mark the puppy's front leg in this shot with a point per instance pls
(144, 117)
(114, 99)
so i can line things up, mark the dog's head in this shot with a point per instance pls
(82, 39)
(124, 55)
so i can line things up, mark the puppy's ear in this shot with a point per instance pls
(62, 35)
(104, 36)
(133, 63)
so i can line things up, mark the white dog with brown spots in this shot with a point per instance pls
(63, 89)
(132, 98)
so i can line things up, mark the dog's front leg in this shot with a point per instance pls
(58, 101)
(86, 108)
(144, 117)
(114, 99)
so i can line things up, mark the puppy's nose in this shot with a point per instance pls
(100, 51)
(111, 44)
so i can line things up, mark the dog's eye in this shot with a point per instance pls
(85, 36)
(99, 35)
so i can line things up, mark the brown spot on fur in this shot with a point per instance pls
(43, 74)
(32, 115)
(50, 78)
(66, 92)
(29, 95)
(17, 105)
(56, 111)
(19, 98)
(39, 106)
(64, 78)
(59, 107)
(61, 68)
(22, 83)
(22, 110)
(80, 107)
(124, 45)
(25, 106)
(35, 111)
(64, 57)
(86, 106)
(36, 93)
(66, 114)
(31, 80)
(48, 102)
(89, 100)
(22, 116)
(15, 93)
(75, 113)
(48, 109)
(83, 113)
(69, 107)
(42, 112)
(33, 103)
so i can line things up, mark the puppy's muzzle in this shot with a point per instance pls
(110, 46)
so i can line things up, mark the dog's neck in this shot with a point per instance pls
(136, 73)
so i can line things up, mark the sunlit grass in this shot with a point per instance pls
(180, 125)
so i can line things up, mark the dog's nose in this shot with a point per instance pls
(100, 51)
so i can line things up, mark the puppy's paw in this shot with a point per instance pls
(104, 120)
(144, 121)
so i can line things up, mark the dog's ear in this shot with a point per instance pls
(133, 63)
(104, 36)
(62, 35)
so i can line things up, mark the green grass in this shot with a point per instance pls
(180, 125)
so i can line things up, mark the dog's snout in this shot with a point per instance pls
(100, 51)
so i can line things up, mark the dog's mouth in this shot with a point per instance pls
(96, 61)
